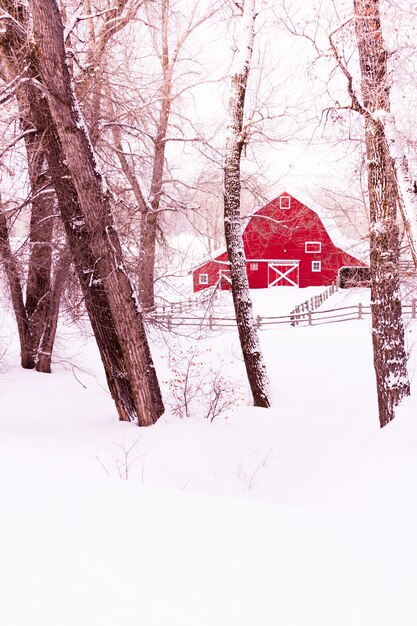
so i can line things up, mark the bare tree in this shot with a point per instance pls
(390, 359)
(114, 313)
(103, 27)
(168, 37)
(384, 195)
(249, 341)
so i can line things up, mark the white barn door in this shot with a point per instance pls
(284, 274)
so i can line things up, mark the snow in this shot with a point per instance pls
(242, 57)
(301, 514)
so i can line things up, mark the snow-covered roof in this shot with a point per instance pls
(212, 257)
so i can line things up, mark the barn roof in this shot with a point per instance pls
(212, 257)
(355, 248)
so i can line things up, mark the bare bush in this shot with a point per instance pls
(199, 388)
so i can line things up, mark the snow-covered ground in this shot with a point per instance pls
(304, 514)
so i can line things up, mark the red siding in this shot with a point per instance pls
(274, 234)
(212, 269)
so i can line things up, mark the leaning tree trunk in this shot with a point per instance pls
(390, 359)
(79, 241)
(248, 335)
(139, 394)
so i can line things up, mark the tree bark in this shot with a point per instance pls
(390, 359)
(47, 340)
(38, 284)
(13, 279)
(15, 63)
(138, 389)
(405, 188)
(248, 335)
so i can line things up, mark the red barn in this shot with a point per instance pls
(286, 244)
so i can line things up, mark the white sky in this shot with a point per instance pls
(293, 85)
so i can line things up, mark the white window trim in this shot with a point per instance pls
(316, 243)
(203, 279)
(313, 263)
(287, 199)
(253, 266)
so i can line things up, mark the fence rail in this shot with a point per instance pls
(308, 317)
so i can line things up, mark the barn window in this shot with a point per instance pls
(253, 266)
(316, 266)
(203, 279)
(285, 202)
(312, 247)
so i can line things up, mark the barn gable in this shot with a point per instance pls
(286, 244)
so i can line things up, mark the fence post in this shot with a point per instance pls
(169, 322)
(360, 311)
(258, 321)
(210, 322)
(413, 309)
(310, 321)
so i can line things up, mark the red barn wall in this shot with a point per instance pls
(212, 268)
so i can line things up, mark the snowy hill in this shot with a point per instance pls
(304, 514)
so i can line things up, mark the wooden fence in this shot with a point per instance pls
(204, 298)
(306, 317)
(171, 308)
(315, 302)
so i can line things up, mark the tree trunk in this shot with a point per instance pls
(15, 63)
(407, 198)
(46, 342)
(248, 335)
(150, 217)
(390, 359)
(148, 221)
(12, 275)
(139, 394)
(147, 254)
(38, 284)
